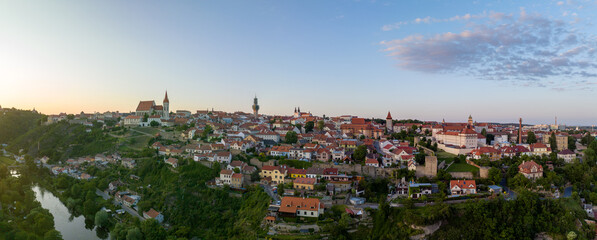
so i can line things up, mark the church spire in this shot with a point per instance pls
(166, 98)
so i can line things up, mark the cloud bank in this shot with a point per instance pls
(499, 46)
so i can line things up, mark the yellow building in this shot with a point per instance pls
(304, 183)
(276, 173)
(297, 173)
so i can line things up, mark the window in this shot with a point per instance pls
(311, 213)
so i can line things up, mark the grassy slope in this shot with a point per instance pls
(462, 167)
(6, 161)
(448, 157)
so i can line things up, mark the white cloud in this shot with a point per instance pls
(528, 47)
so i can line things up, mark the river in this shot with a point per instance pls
(71, 228)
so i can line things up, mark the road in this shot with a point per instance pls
(397, 205)
(270, 192)
(104, 195)
(511, 194)
(131, 211)
(568, 192)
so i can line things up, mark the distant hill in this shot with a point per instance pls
(14, 123)
(63, 140)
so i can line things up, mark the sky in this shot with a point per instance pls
(429, 60)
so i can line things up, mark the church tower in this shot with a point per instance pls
(166, 114)
(255, 107)
(389, 123)
(470, 121)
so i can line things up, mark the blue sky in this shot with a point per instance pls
(419, 59)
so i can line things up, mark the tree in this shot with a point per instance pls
(495, 175)
(414, 128)
(360, 153)
(309, 126)
(101, 219)
(153, 123)
(531, 138)
(484, 132)
(134, 234)
(587, 139)
(590, 156)
(52, 235)
(3, 172)
(89, 207)
(571, 143)
(145, 117)
(153, 230)
(489, 138)
(70, 117)
(291, 137)
(119, 232)
(320, 125)
(552, 142)
(255, 176)
(206, 131)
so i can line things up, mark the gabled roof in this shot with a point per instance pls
(303, 180)
(292, 204)
(463, 184)
(152, 213)
(371, 161)
(297, 171)
(145, 105)
(566, 152)
(526, 167)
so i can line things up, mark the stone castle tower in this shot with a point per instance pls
(389, 123)
(166, 106)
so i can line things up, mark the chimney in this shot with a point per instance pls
(520, 131)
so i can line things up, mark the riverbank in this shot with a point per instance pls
(71, 227)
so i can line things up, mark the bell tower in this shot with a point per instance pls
(389, 123)
(255, 107)
(166, 114)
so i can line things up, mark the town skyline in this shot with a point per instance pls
(555, 120)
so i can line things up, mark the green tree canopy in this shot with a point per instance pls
(134, 234)
(153, 123)
(291, 137)
(571, 143)
(102, 219)
(360, 153)
(531, 138)
(309, 126)
(152, 230)
(320, 125)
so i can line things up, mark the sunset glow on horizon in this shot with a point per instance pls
(430, 61)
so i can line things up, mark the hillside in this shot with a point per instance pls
(14, 123)
(63, 140)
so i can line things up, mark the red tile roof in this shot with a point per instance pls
(292, 204)
(526, 167)
(463, 184)
(302, 180)
(145, 105)
(152, 213)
